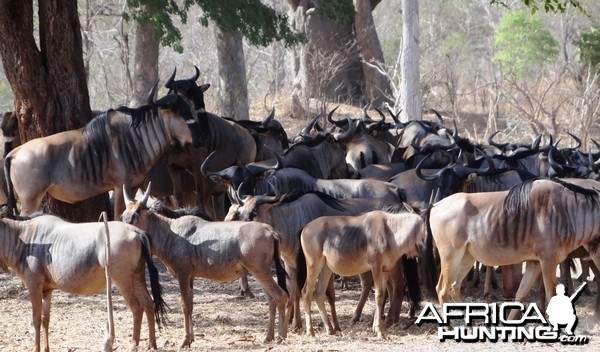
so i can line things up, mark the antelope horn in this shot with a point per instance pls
(146, 194)
(125, 195)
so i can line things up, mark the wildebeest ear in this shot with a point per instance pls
(204, 87)
(269, 173)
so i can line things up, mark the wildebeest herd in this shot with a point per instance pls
(397, 203)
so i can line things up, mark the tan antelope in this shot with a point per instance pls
(539, 222)
(49, 254)
(352, 245)
(191, 247)
(116, 147)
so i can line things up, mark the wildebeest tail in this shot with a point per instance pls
(428, 260)
(300, 268)
(279, 270)
(10, 192)
(411, 274)
(155, 288)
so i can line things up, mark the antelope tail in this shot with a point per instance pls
(10, 193)
(300, 268)
(428, 260)
(411, 275)
(281, 273)
(110, 333)
(155, 288)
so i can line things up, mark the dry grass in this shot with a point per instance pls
(225, 321)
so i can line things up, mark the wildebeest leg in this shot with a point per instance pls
(549, 275)
(366, 283)
(532, 272)
(293, 305)
(565, 274)
(46, 302)
(324, 281)
(186, 284)
(595, 266)
(330, 293)
(380, 283)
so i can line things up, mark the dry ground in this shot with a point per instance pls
(225, 321)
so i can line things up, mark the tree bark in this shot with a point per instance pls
(377, 85)
(410, 86)
(48, 84)
(327, 66)
(145, 62)
(233, 90)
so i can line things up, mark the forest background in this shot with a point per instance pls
(523, 68)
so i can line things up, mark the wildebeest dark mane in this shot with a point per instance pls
(518, 196)
(160, 208)
(318, 139)
(400, 208)
(325, 198)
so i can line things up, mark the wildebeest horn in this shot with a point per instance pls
(380, 114)
(394, 116)
(497, 145)
(204, 166)
(269, 118)
(439, 116)
(196, 75)
(146, 194)
(342, 137)
(432, 177)
(330, 117)
(171, 81)
(306, 130)
(365, 116)
(152, 93)
(576, 140)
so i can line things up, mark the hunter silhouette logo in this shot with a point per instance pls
(561, 310)
(482, 322)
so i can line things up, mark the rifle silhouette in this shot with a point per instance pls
(573, 297)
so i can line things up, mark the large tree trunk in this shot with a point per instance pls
(410, 86)
(49, 84)
(377, 85)
(145, 62)
(233, 90)
(327, 66)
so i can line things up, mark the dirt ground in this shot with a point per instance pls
(224, 321)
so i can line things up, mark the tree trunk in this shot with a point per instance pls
(145, 62)
(410, 87)
(327, 66)
(377, 85)
(49, 85)
(233, 92)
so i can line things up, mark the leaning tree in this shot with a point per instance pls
(48, 80)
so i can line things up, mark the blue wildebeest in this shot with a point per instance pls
(289, 215)
(191, 247)
(352, 245)
(48, 254)
(116, 147)
(233, 143)
(538, 221)
(264, 179)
